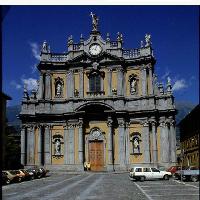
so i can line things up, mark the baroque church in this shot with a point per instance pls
(98, 103)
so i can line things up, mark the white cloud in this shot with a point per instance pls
(35, 48)
(31, 83)
(34, 68)
(179, 85)
(166, 74)
(16, 85)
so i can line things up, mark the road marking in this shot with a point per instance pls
(65, 189)
(33, 191)
(186, 184)
(84, 195)
(161, 195)
(148, 197)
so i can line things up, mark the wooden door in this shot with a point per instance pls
(96, 155)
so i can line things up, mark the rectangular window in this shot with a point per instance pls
(95, 83)
(138, 169)
(146, 170)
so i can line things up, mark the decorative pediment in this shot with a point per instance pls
(87, 58)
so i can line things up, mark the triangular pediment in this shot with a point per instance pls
(87, 58)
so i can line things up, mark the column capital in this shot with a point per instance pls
(145, 124)
(121, 122)
(80, 123)
(109, 122)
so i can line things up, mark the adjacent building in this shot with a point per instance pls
(98, 103)
(4, 99)
(189, 138)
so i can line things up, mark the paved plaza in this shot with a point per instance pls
(59, 186)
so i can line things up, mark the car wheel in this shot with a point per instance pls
(142, 178)
(19, 179)
(166, 177)
(8, 181)
(194, 178)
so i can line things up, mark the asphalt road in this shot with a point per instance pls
(99, 186)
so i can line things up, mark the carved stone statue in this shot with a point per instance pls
(58, 147)
(133, 86)
(147, 40)
(136, 145)
(94, 21)
(58, 89)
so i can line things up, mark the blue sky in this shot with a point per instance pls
(174, 31)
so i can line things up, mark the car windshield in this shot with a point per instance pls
(13, 172)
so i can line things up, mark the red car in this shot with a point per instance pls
(173, 169)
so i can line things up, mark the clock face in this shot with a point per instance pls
(95, 49)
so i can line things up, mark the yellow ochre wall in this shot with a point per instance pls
(57, 130)
(63, 77)
(76, 81)
(114, 79)
(136, 158)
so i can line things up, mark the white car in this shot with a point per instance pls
(147, 173)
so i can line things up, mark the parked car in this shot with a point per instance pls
(20, 174)
(28, 175)
(5, 179)
(188, 174)
(147, 173)
(173, 169)
(43, 171)
(12, 176)
(36, 172)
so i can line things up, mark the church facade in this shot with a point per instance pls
(101, 104)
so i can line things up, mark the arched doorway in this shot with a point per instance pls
(96, 153)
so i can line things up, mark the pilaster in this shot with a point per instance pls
(150, 81)
(23, 150)
(121, 155)
(154, 141)
(146, 142)
(39, 145)
(173, 141)
(110, 144)
(48, 86)
(47, 155)
(144, 81)
(80, 141)
(81, 83)
(41, 87)
(120, 81)
(109, 81)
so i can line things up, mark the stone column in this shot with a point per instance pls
(81, 83)
(127, 144)
(41, 87)
(71, 143)
(109, 82)
(154, 141)
(146, 142)
(23, 150)
(110, 144)
(47, 154)
(30, 145)
(173, 142)
(121, 132)
(65, 146)
(164, 142)
(67, 84)
(144, 81)
(39, 145)
(150, 81)
(48, 86)
(80, 141)
(120, 81)
(72, 84)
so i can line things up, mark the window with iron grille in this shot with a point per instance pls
(95, 83)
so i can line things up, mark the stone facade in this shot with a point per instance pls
(98, 95)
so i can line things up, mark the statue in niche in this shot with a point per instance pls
(58, 89)
(133, 85)
(58, 147)
(136, 145)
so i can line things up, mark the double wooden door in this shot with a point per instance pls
(96, 155)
